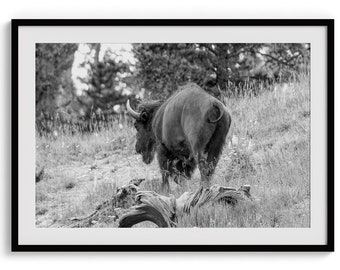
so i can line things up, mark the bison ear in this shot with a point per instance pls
(144, 116)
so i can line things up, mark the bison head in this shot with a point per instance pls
(146, 142)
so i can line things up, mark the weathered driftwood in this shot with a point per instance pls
(164, 211)
(129, 206)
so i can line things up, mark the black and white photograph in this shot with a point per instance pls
(172, 135)
(178, 135)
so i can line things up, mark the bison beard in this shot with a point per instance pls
(186, 130)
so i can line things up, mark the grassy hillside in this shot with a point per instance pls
(268, 148)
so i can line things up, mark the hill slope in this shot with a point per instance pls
(268, 148)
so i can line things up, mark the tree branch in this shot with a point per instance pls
(275, 59)
(203, 45)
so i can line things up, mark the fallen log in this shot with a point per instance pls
(130, 206)
(164, 211)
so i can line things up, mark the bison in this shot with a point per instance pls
(186, 130)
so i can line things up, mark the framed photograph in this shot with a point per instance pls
(172, 135)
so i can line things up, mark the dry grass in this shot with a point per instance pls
(268, 148)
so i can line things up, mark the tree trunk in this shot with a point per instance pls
(96, 47)
(222, 67)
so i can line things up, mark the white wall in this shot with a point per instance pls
(148, 9)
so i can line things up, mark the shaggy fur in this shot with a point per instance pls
(186, 130)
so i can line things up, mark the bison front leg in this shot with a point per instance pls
(165, 181)
(206, 169)
(164, 164)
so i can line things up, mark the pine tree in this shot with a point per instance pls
(103, 83)
(53, 72)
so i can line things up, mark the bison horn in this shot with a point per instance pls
(133, 113)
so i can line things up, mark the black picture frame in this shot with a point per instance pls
(329, 246)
